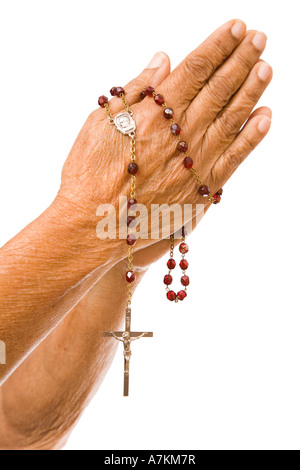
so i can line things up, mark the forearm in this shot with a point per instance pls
(67, 367)
(45, 271)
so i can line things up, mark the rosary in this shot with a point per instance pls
(125, 124)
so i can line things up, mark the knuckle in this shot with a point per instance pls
(218, 47)
(220, 89)
(136, 86)
(233, 158)
(230, 124)
(214, 177)
(246, 144)
(199, 67)
(238, 153)
(252, 95)
(243, 61)
(221, 134)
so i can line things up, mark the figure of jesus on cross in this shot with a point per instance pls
(127, 337)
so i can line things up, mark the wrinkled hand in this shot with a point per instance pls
(213, 93)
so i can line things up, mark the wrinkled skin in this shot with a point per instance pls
(81, 292)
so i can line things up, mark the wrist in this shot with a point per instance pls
(79, 231)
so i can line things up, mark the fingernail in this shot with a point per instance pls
(156, 61)
(238, 29)
(264, 72)
(264, 125)
(259, 41)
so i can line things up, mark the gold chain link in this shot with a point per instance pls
(172, 246)
(132, 189)
(196, 176)
(132, 150)
(130, 258)
(107, 109)
(133, 178)
(126, 104)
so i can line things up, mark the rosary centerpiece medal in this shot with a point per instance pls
(125, 123)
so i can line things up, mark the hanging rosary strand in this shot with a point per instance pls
(171, 264)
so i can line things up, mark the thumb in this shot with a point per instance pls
(154, 74)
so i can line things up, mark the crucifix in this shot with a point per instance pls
(127, 337)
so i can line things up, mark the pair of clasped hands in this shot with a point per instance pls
(60, 286)
(213, 92)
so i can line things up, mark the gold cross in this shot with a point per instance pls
(127, 337)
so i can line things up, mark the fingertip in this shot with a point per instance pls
(264, 125)
(238, 29)
(159, 59)
(259, 40)
(262, 111)
(269, 112)
(265, 71)
(166, 62)
(266, 111)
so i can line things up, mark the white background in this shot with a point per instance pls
(223, 369)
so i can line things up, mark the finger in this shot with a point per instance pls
(262, 111)
(248, 139)
(225, 82)
(226, 127)
(185, 82)
(154, 74)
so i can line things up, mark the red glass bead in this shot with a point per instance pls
(188, 162)
(183, 248)
(175, 129)
(181, 295)
(133, 168)
(149, 91)
(216, 199)
(171, 295)
(184, 264)
(143, 95)
(185, 280)
(132, 203)
(130, 276)
(204, 190)
(131, 240)
(171, 264)
(182, 146)
(159, 99)
(119, 91)
(102, 101)
(168, 113)
(131, 221)
(220, 192)
(113, 91)
(168, 280)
